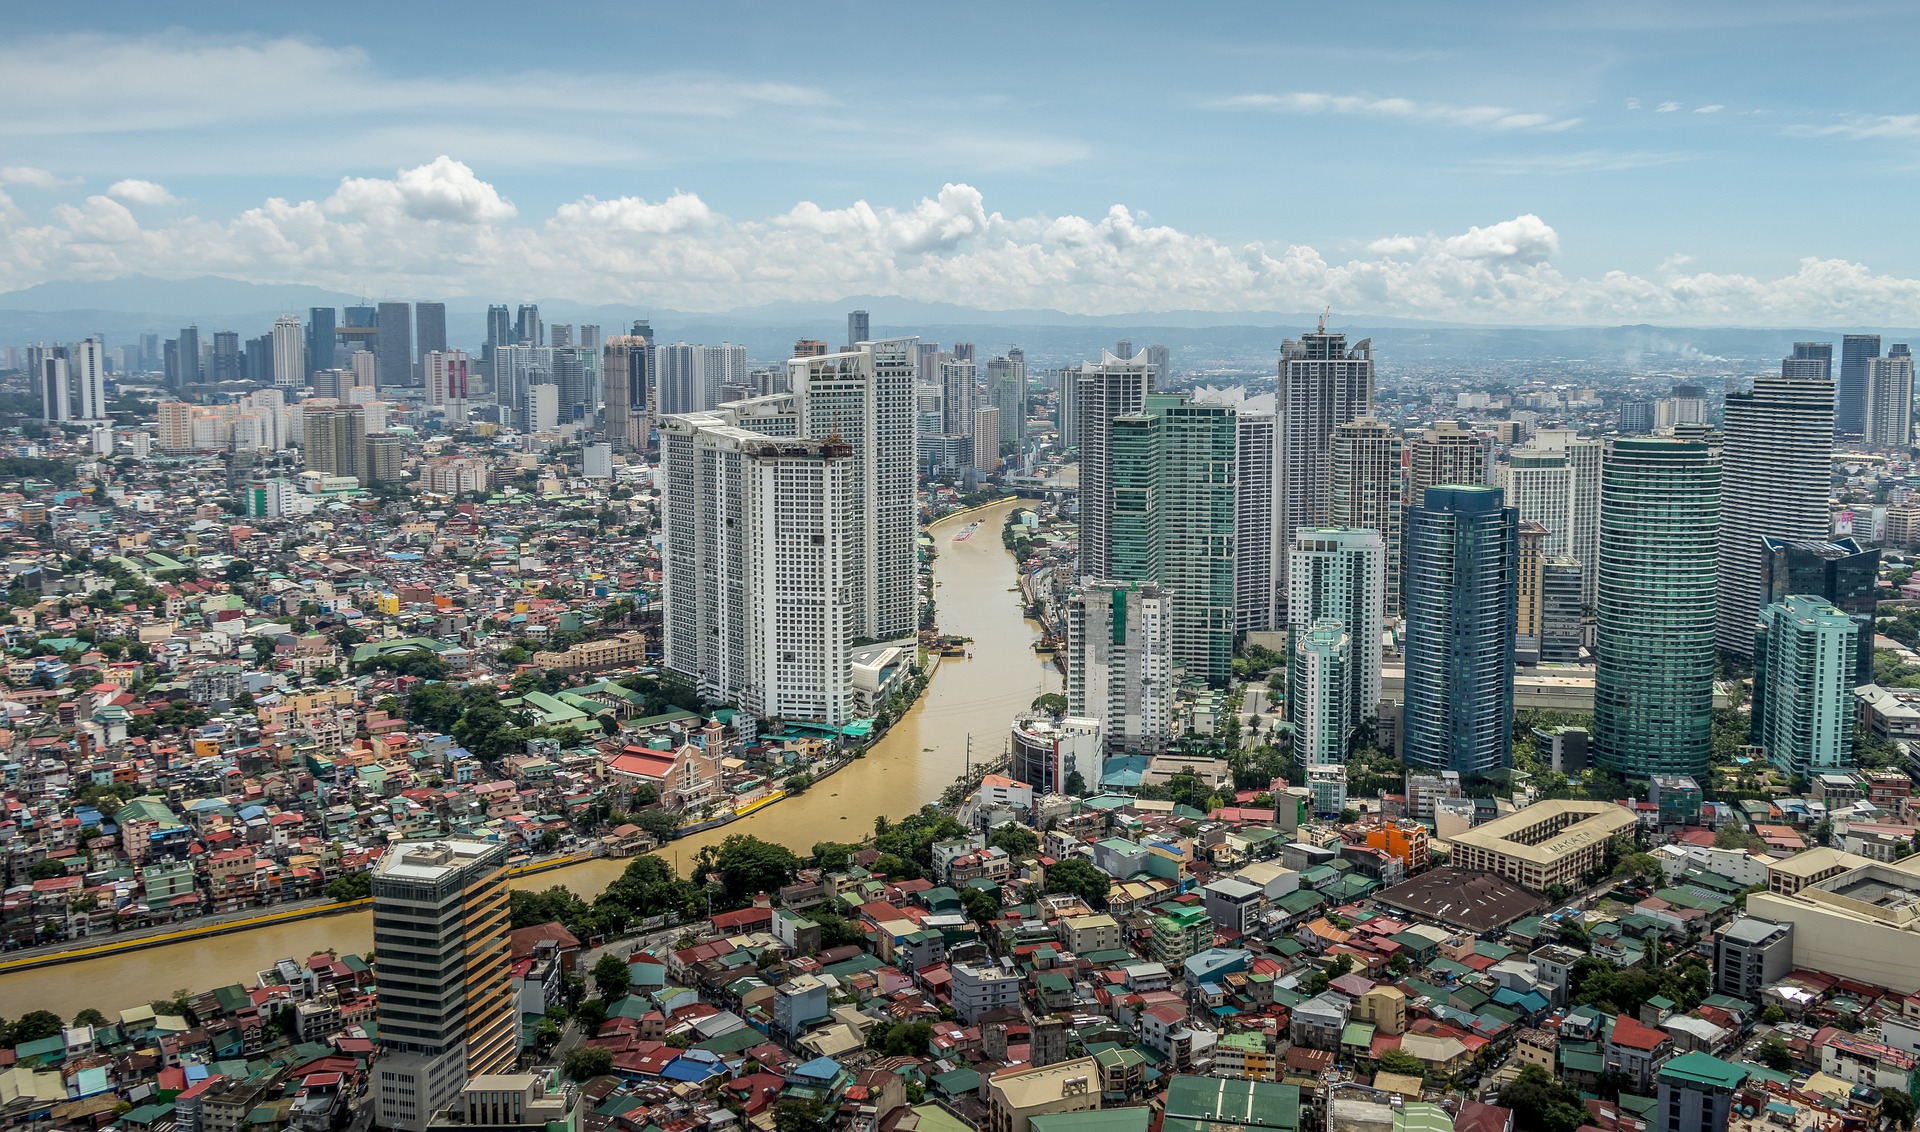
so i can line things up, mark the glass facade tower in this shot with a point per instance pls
(1462, 595)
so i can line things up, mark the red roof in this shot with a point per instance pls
(1630, 1033)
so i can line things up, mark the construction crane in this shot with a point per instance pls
(1323, 318)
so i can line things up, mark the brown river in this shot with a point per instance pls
(975, 696)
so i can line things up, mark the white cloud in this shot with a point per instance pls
(441, 228)
(1314, 102)
(1633, 104)
(141, 192)
(1865, 128)
(1666, 108)
(1711, 108)
(34, 178)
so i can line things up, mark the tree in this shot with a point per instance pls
(900, 1039)
(591, 1014)
(583, 1063)
(1774, 1053)
(434, 705)
(89, 1017)
(1401, 1062)
(799, 1116)
(353, 886)
(1018, 841)
(1898, 1107)
(1053, 703)
(1644, 866)
(1736, 836)
(1076, 784)
(748, 865)
(32, 1026)
(979, 905)
(1079, 877)
(1543, 1103)
(46, 869)
(611, 977)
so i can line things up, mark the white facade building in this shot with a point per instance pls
(1120, 663)
(1342, 575)
(88, 372)
(1776, 462)
(1101, 391)
(289, 353)
(1320, 691)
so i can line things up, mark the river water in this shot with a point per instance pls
(970, 697)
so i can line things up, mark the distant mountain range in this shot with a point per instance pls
(122, 309)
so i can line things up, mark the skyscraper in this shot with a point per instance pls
(1120, 663)
(1850, 400)
(499, 329)
(88, 370)
(761, 534)
(335, 441)
(1447, 453)
(1007, 389)
(1174, 498)
(1555, 481)
(449, 375)
(446, 1010)
(865, 397)
(225, 356)
(959, 396)
(1366, 490)
(1548, 629)
(858, 329)
(1256, 535)
(320, 340)
(1323, 384)
(1653, 650)
(55, 387)
(1804, 654)
(1320, 692)
(560, 335)
(1842, 572)
(189, 355)
(430, 329)
(393, 348)
(1462, 593)
(1890, 399)
(527, 329)
(1341, 574)
(626, 368)
(1812, 360)
(1101, 391)
(1775, 466)
(289, 353)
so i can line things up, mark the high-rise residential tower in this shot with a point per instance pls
(959, 396)
(1462, 593)
(1120, 663)
(859, 328)
(54, 384)
(335, 440)
(1007, 389)
(1447, 453)
(1776, 462)
(1890, 400)
(1367, 490)
(189, 355)
(393, 345)
(1812, 360)
(1256, 534)
(1341, 574)
(430, 329)
(446, 1009)
(1803, 670)
(449, 379)
(626, 374)
(1850, 398)
(88, 369)
(1320, 692)
(1653, 649)
(289, 353)
(1555, 481)
(1101, 391)
(1843, 572)
(320, 340)
(1323, 384)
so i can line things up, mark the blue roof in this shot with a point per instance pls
(819, 1069)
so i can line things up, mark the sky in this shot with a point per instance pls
(1705, 163)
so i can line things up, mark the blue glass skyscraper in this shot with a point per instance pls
(1463, 565)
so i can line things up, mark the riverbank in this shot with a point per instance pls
(926, 750)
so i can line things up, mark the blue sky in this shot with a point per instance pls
(1736, 163)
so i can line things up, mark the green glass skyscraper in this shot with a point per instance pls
(1659, 521)
(1173, 488)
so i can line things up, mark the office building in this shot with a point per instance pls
(865, 397)
(1804, 658)
(1810, 361)
(1750, 955)
(429, 329)
(542, 410)
(1776, 462)
(449, 382)
(1101, 391)
(1174, 498)
(1555, 481)
(1850, 398)
(1047, 752)
(226, 356)
(560, 335)
(859, 328)
(335, 440)
(55, 387)
(499, 329)
(1007, 389)
(1120, 663)
(761, 535)
(1447, 453)
(87, 373)
(289, 353)
(393, 346)
(320, 340)
(1323, 384)
(1684, 405)
(1653, 649)
(1696, 1093)
(189, 356)
(626, 375)
(1366, 490)
(446, 1012)
(1340, 575)
(570, 379)
(1843, 572)
(1889, 423)
(527, 328)
(1462, 594)
(1636, 417)
(1321, 691)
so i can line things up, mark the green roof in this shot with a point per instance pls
(957, 1081)
(1099, 1120)
(1703, 1070)
(1248, 1104)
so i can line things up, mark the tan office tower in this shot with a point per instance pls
(445, 975)
(1367, 491)
(626, 367)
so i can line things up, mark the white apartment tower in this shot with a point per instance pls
(1555, 481)
(959, 396)
(1101, 391)
(1321, 692)
(1323, 385)
(53, 381)
(1257, 549)
(289, 353)
(1368, 489)
(761, 533)
(448, 373)
(1776, 461)
(1120, 663)
(1890, 399)
(1342, 574)
(88, 371)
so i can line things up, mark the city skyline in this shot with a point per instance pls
(1568, 174)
